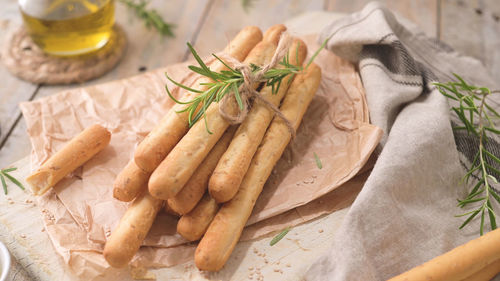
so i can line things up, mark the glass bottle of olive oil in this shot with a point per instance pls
(68, 27)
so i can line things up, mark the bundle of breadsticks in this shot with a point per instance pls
(212, 178)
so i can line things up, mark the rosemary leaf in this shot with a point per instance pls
(14, 180)
(3, 184)
(280, 236)
(318, 161)
(8, 170)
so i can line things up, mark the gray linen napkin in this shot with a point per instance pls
(405, 214)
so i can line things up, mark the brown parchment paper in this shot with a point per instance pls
(80, 212)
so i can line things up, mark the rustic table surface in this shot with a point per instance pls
(471, 27)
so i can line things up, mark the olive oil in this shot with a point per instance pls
(68, 27)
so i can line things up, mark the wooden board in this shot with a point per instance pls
(12, 89)
(422, 12)
(473, 28)
(226, 17)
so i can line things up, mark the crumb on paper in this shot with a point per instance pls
(23, 235)
(288, 265)
(141, 273)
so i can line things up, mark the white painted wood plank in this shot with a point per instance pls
(473, 28)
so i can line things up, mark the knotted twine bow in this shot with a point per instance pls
(246, 89)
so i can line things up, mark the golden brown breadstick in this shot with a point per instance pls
(464, 260)
(160, 141)
(194, 189)
(225, 230)
(193, 225)
(485, 274)
(169, 210)
(76, 152)
(232, 167)
(127, 237)
(130, 182)
(173, 173)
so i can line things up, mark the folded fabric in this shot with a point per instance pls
(405, 213)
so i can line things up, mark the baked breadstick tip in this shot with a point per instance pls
(130, 182)
(193, 225)
(161, 140)
(74, 154)
(225, 230)
(133, 227)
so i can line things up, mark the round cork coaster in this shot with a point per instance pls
(26, 60)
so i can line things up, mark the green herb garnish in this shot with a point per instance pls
(476, 116)
(150, 17)
(318, 161)
(280, 236)
(4, 174)
(229, 82)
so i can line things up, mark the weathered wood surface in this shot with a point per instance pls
(473, 28)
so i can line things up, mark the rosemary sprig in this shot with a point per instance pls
(476, 116)
(279, 236)
(150, 17)
(228, 82)
(4, 174)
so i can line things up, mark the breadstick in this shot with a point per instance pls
(225, 230)
(232, 167)
(76, 152)
(127, 237)
(169, 211)
(463, 261)
(173, 173)
(193, 225)
(485, 274)
(130, 182)
(192, 192)
(160, 141)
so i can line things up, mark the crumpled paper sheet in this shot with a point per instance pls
(80, 212)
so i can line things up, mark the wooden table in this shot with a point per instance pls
(471, 27)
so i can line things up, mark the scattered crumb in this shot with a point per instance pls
(43, 230)
(264, 254)
(23, 235)
(288, 265)
(28, 201)
(276, 270)
(320, 231)
(308, 181)
(11, 202)
(250, 268)
(266, 261)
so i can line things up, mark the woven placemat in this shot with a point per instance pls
(26, 60)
